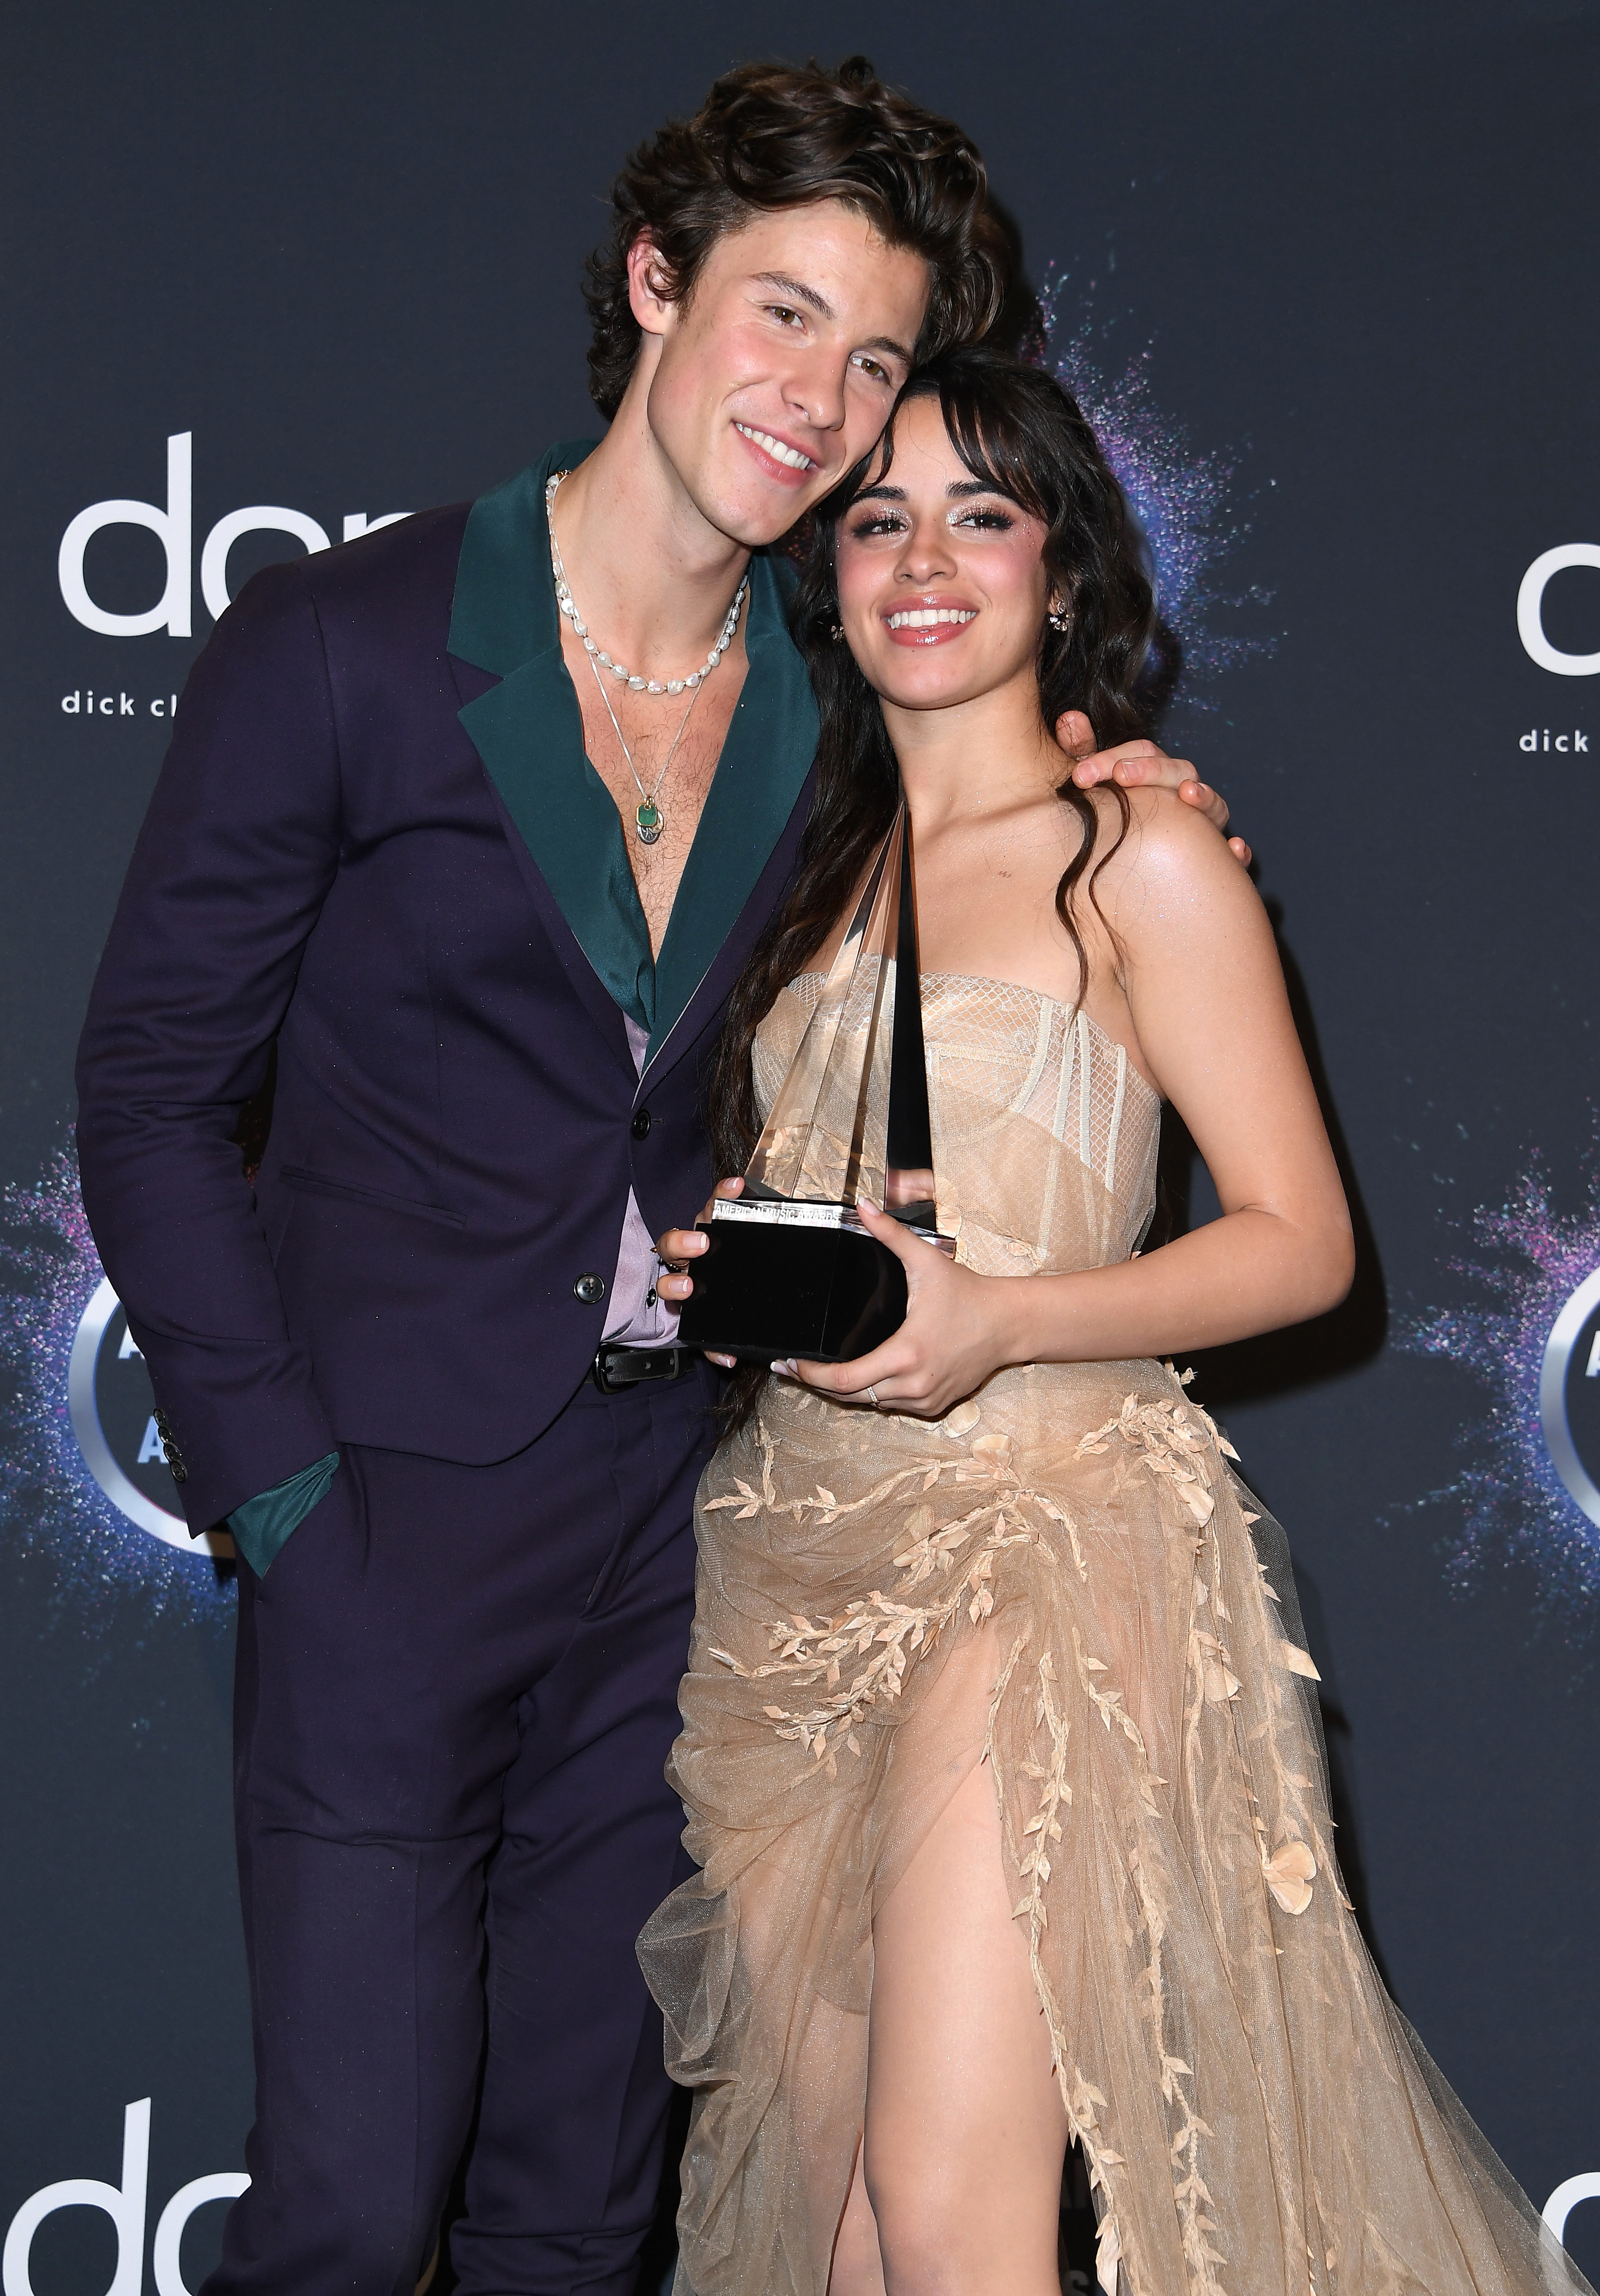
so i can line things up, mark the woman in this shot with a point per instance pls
(1000, 1753)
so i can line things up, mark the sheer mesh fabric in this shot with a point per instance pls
(1065, 1579)
(1026, 1098)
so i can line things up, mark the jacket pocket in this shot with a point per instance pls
(319, 1183)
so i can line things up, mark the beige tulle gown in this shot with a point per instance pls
(1066, 1579)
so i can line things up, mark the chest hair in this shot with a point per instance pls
(648, 724)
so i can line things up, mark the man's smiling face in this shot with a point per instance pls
(777, 371)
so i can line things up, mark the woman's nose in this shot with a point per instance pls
(926, 553)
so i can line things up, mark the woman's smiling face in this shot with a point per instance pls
(942, 586)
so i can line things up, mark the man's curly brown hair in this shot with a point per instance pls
(780, 136)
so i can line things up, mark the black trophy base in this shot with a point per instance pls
(767, 1289)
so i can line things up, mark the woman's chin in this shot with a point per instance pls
(932, 685)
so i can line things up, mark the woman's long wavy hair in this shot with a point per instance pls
(1016, 429)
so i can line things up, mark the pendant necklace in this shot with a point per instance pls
(648, 821)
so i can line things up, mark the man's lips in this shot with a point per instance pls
(786, 462)
(926, 625)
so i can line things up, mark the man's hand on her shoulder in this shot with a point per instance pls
(1141, 765)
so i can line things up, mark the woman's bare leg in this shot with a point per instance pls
(965, 2129)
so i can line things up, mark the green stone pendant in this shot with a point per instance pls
(648, 821)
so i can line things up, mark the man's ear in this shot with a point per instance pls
(650, 305)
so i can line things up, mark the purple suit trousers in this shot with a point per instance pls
(471, 1677)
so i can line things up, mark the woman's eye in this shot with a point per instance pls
(987, 522)
(885, 522)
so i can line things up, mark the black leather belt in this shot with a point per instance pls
(616, 1368)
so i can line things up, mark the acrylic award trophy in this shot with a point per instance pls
(789, 1268)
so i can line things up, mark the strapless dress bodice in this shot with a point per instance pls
(1044, 1134)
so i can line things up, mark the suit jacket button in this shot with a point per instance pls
(180, 1473)
(163, 1424)
(590, 1289)
(641, 1126)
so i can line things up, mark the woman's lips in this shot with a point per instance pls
(926, 625)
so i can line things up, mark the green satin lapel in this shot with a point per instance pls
(503, 611)
(528, 732)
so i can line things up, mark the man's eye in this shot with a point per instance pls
(783, 314)
(874, 367)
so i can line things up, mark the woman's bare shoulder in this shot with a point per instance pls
(1165, 836)
(1171, 854)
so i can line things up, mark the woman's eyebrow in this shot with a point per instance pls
(958, 490)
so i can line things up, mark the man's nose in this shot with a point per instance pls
(816, 391)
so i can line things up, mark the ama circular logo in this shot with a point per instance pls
(112, 1408)
(1569, 1396)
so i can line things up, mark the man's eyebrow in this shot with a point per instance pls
(798, 292)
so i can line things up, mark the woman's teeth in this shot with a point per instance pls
(775, 447)
(923, 618)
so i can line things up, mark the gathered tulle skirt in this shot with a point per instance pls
(1065, 1580)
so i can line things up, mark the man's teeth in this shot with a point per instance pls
(776, 448)
(923, 618)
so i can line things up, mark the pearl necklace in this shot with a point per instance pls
(598, 655)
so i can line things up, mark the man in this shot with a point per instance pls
(421, 1370)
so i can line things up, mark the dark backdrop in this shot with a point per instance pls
(1331, 271)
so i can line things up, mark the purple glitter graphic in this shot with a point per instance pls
(51, 1505)
(1528, 1259)
(1181, 497)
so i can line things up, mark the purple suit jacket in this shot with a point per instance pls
(332, 863)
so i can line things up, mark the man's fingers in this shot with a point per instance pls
(1074, 734)
(681, 1244)
(1140, 764)
(1134, 764)
(677, 1245)
(1205, 800)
